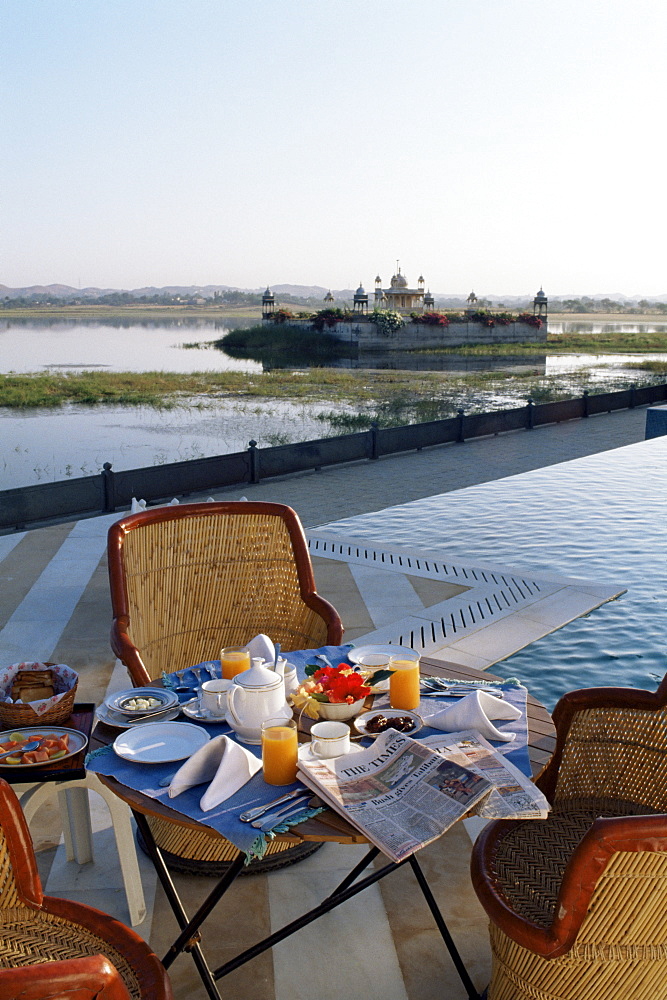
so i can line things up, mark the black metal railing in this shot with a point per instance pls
(69, 499)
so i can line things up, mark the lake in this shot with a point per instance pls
(40, 445)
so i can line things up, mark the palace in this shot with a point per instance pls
(399, 297)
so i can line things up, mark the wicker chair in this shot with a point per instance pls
(577, 902)
(189, 579)
(93, 978)
(35, 928)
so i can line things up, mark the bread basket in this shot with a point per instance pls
(45, 710)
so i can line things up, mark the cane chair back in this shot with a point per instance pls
(577, 901)
(189, 579)
(35, 928)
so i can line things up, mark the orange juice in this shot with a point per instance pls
(234, 661)
(279, 751)
(404, 683)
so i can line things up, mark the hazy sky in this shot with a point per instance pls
(489, 144)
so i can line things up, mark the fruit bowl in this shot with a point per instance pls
(340, 712)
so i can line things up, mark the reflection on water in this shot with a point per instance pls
(594, 326)
(393, 361)
(129, 346)
(599, 518)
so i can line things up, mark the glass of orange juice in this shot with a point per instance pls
(234, 660)
(279, 751)
(404, 681)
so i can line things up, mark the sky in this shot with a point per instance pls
(494, 145)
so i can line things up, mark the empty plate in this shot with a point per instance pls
(160, 742)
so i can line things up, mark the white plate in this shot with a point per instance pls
(160, 742)
(361, 722)
(191, 709)
(77, 741)
(306, 752)
(387, 650)
(111, 718)
(166, 699)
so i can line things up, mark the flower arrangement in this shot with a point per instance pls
(530, 320)
(341, 685)
(431, 319)
(386, 320)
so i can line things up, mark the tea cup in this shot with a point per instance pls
(330, 739)
(213, 697)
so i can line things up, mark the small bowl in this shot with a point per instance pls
(340, 712)
(361, 724)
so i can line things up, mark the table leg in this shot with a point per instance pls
(444, 930)
(77, 830)
(188, 938)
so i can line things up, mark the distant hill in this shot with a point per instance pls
(314, 293)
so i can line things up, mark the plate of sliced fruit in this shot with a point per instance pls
(54, 744)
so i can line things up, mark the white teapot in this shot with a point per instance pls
(256, 694)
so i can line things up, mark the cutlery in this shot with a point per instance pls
(32, 745)
(275, 818)
(251, 814)
(149, 715)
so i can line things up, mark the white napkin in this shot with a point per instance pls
(475, 712)
(222, 762)
(261, 646)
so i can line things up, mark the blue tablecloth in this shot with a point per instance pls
(146, 778)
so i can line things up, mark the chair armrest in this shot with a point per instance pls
(89, 978)
(588, 699)
(605, 838)
(127, 652)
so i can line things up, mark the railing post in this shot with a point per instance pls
(461, 416)
(530, 412)
(108, 489)
(253, 456)
(584, 401)
(375, 444)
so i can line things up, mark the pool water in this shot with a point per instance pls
(600, 518)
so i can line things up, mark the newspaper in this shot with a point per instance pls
(399, 793)
(513, 796)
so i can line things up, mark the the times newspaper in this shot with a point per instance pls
(404, 793)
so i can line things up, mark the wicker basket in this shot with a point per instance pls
(16, 716)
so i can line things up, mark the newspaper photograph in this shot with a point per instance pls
(513, 796)
(400, 792)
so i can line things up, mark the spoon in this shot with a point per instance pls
(32, 745)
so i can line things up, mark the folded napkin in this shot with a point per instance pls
(222, 762)
(262, 647)
(475, 712)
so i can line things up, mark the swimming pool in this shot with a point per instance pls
(599, 518)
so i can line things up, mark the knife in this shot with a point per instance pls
(251, 814)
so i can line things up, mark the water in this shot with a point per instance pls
(599, 518)
(42, 445)
(127, 346)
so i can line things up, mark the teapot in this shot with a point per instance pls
(255, 695)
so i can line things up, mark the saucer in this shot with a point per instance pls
(191, 709)
(306, 752)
